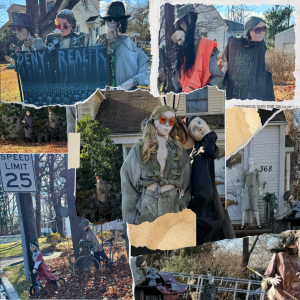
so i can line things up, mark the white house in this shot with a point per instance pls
(234, 29)
(271, 156)
(285, 40)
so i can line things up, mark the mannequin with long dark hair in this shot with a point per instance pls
(196, 56)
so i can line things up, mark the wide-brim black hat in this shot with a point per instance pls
(22, 20)
(115, 9)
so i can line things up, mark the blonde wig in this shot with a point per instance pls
(149, 140)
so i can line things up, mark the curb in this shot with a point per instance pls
(9, 289)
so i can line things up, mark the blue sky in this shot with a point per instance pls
(259, 11)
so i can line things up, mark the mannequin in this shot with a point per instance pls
(196, 62)
(130, 64)
(100, 189)
(25, 31)
(213, 222)
(243, 63)
(283, 272)
(249, 192)
(156, 171)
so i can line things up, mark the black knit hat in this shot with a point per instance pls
(34, 244)
(139, 261)
(22, 20)
(115, 9)
(189, 119)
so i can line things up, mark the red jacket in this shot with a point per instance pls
(198, 76)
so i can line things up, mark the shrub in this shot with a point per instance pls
(53, 239)
(281, 64)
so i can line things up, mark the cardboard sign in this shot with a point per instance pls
(17, 173)
(63, 76)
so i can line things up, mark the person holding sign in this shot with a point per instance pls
(196, 62)
(23, 26)
(243, 61)
(66, 23)
(129, 66)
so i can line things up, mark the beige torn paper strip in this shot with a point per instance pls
(73, 150)
(168, 232)
(240, 125)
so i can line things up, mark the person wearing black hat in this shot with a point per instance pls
(213, 222)
(96, 250)
(243, 63)
(283, 272)
(130, 68)
(24, 28)
(196, 56)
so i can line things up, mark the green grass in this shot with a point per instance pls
(15, 249)
(16, 276)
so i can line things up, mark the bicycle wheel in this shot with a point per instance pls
(86, 264)
(35, 289)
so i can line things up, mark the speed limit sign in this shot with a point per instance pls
(17, 173)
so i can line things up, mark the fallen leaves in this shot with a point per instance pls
(28, 147)
(9, 89)
(284, 92)
(115, 283)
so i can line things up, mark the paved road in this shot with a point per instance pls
(12, 261)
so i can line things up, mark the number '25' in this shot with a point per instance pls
(23, 177)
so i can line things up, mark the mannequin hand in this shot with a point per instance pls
(80, 249)
(275, 281)
(34, 271)
(127, 85)
(92, 252)
(298, 274)
(201, 150)
(178, 37)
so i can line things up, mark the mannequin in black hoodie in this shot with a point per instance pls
(213, 222)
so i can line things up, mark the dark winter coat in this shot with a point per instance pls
(213, 222)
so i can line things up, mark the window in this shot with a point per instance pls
(77, 29)
(197, 101)
(13, 16)
(97, 31)
(50, 5)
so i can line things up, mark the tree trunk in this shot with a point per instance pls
(43, 9)
(169, 30)
(54, 197)
(32, 9)
(76, 232)
(38, 176)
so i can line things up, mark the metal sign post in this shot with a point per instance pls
(17, 176)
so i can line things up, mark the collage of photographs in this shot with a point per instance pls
(149, 150)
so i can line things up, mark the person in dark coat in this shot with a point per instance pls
(213, 222)
(28, 124)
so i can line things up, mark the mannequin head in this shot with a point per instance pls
(115, 17)
(23, 26)
(34, 246)
(250, 161)
(186, 22)
(27, 113)
(140, 262)
(287, 241)
(160, 124)
(65, 21)
(197, 128)
(255, 29)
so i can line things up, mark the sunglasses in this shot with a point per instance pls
(14, 29)
(65, 26)
(110, 19)
(258, 30)
(164, 120)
